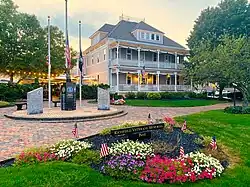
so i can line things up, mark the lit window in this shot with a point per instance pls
(104, 54)
(147, 36)
(129, 54)
(152, 36)
(142, 35)
(157, 37)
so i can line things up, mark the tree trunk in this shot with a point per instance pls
(221, 88)
(11, 78)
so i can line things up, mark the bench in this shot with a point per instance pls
(55, 103)
(20, 105)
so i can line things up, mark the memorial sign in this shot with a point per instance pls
(68, 96)
(103, 99)
(35, 101)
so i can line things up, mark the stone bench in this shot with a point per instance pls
(20, 105)
(55, 103)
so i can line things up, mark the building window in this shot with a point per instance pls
(104, 54)
(147, 36)
(129, 80)
(152, 36)
(142, 35)
(129, 54)
(168, 80)
(154, 57)
(92, 60)
(157, 37)
(154, 80)
(98, 58)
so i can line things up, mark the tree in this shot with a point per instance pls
(230, 17)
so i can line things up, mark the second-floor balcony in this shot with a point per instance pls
(147, 64)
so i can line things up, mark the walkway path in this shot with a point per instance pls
(18, 135)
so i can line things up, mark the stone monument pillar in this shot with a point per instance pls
(35, 101)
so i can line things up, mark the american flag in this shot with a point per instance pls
(182, 153)
(67, 53)
(143, 72)
(150, 121)
(213, 143)
(75, 131)
(184, 126)
(104, 150)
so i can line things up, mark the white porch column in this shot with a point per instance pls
(117, 54)
(175, 60)
(139, 86)
(158, 80)
(158, 58)
(175, 81)
(139, 56)
(117, 80)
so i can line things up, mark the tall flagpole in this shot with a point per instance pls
(66, 33)
(49, 64)
(80, 60)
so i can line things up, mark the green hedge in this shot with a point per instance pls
(13, 92)
(90, 91)
(166, 95)
(237, 110)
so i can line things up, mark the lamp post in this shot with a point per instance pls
(234, 85)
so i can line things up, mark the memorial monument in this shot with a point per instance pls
(35, 101)
(103, 99)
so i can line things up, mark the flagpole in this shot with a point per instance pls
(66, 33)
(49, 64)
(80, 47)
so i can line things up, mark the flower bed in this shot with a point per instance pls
(153, 160)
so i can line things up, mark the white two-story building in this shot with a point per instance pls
(134, 56)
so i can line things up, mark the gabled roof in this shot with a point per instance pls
(123, 31)
(106, 28)
(144, 26)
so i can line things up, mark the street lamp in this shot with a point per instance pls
(234, 85)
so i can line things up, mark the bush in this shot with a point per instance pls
(130, 95)
(90, 91)
(123, 166)
(141, 95)
(237, 110)
(154, 96)
(139, 149)
(87, 157)
(68, 148)
(116, 96)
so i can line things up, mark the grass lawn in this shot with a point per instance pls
(171, 103)
(232, 130)
(4, 104)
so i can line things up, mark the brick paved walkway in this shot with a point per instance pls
(18, 135)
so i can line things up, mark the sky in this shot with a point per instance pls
(173, 17)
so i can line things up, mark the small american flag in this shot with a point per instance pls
(75, 131)
(182, 153)
(184, 126)
(67, 53)
(104, 150)
(213, 143)
(150, 121)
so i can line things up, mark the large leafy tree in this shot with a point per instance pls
(230, 17)
(23, 44)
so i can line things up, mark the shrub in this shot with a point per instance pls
(162, 148)
(237, 110)
(204, 163)
(87, 157)
(130, 95)
(161, 169)
(123, 166)
(135, 148)
(68, 148)
(154, 96)
(90, 91)
(28, 158)
(141, 95)
(126, 124)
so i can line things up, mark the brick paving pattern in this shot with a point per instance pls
(16, 136)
